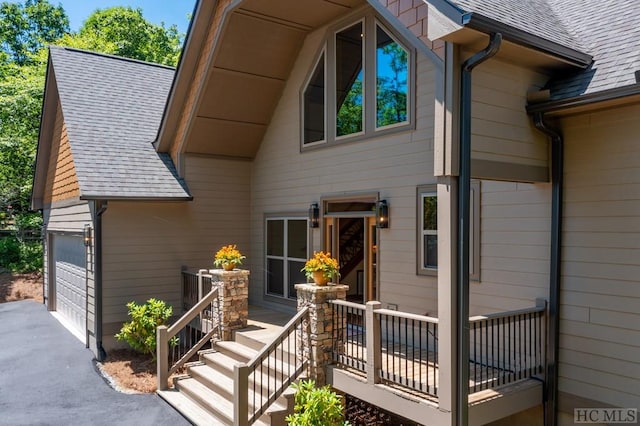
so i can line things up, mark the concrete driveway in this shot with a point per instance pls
(47, 377)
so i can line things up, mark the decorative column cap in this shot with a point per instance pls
(329, 288)
(235, 272)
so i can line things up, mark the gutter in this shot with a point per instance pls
(101, 207)
(464, 193)
(487, 25)
(584, 100)
(97, 197)
(553, 322)
(566, 54)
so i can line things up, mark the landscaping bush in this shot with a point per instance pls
(20, 256)
(140, 332)
(316, 406)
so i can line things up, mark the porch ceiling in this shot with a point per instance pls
(253, 56)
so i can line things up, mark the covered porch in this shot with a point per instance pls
(385, 357)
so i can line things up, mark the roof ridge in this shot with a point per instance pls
(111, 56)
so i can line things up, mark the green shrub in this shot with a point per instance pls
(20, 256)
(140, 332)
(316, 406)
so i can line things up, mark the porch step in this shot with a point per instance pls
(226, 354)
(217, 405)
(188, 408)
(204, 395)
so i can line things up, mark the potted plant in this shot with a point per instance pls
(321, 268)
(228, 257)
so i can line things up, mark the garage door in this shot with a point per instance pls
(70, 280)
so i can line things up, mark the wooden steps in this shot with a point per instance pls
(204, 395)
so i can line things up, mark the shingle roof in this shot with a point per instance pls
(112, 108)
(605, 29)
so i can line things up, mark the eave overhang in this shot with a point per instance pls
(47, 121)
(222, 106)
(450, 23)
(88, 197)
(606, 98)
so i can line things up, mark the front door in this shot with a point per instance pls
(351, 238)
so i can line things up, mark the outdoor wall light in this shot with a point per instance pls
(314, 216)
(86, 235)
(382, 214)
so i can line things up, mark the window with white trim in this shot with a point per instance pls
(359, 84)
(286, 253)
(428, 230)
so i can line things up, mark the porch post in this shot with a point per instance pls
(446, 169)
(233, 297)
(317, 347)
(447, 294)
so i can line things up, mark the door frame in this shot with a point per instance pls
(371, 271)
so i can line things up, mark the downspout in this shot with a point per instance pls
(464, 193)
(101, 207)
(553, 322)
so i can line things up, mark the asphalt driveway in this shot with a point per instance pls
(48, 377)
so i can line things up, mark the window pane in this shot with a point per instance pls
(314, 105)
(349, 80)
(391, 80)
(275, 237)
(297, 238)
(430, 212)
(430, 251)
(295, 277)
(275, 276)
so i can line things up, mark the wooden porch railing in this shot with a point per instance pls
(193, 330)
(507, 346)
(402, 348)
(393, 346)
(258, 383)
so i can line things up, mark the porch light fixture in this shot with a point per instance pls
(314, 216)
(382, 214)
(86, 235)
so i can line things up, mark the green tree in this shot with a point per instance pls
(20, 102)
(124, 31)
(27, 27)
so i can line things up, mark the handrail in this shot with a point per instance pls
(244, 414)
(406, 315)
(285, 330)
(540, 307)
(192, 313)
(164, 335)
(347, 304)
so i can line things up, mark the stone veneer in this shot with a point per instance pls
(233, 296)
(320, 325)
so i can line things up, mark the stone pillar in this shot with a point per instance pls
(320, 325)
(233, 297)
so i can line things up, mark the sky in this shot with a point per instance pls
(168, 11)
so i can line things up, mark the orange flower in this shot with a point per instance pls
(227, 255)
(321, 261)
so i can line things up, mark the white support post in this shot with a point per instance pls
(374, 351)
(162, 343)
(240, 395)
